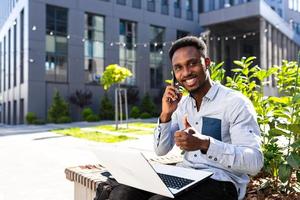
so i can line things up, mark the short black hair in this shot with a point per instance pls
(194, 41)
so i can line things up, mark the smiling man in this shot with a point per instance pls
(214, 125)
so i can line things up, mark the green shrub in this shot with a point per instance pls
(31, 117)
(147, 105)
(92, 118)
(39, 122)
(58, 109)
(86, 112)
(135, 112)
(63, 119)
(145, 115)
(106, 109)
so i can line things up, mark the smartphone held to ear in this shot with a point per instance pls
(176, 85)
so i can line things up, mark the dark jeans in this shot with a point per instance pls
(207, 190)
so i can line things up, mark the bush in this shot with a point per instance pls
(135, 112)
(92, 118)
(58, 109)
(145, 115)
(39, 122)
(31, 117)
(106, 109)
(86, 112)
(147, 105)
(63, 119)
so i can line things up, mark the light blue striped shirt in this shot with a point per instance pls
(229, 119)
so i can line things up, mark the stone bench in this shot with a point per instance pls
(87, 177)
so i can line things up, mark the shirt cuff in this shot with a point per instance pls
(220, 152)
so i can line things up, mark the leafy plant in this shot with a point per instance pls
(135, 112)
(58, 109)
(114, 74)
(81, 98)
(31, 117)
(278, 117)
(147, 105)
(106, 109)
(86, 112)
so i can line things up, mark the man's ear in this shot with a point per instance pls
(207, 62)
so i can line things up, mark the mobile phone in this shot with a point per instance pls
(175, 84)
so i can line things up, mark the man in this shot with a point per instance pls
(215, 126)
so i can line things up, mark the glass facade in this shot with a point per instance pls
(127, 49)
(177, 8)
(189, 9)
(156, 56)
(151, 5)
(94, 47)
(137, 4)
(22, 47)
(165, 7)
(15, 55)
(181, 34)
(9, 58)
(56, 64)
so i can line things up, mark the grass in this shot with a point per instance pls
(133, 128)
(93, 135)
(99, 133)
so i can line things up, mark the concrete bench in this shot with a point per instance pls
(86, 178)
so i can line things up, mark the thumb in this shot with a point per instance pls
(185, 122)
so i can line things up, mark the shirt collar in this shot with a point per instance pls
(212, 92)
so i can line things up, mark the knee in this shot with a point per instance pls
(121, 192)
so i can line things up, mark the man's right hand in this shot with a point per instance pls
(170, 101)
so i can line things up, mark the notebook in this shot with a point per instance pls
(131, 168)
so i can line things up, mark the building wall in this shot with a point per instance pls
(37, 93)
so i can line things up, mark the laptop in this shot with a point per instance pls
(131, 168)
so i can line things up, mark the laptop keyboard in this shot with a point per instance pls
(174, 182)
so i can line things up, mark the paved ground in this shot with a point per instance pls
(32, 160)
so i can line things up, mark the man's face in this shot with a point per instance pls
(189, 68)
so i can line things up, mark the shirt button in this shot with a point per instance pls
(195, 106)
(195, 155)
(210, 157)
(229, 166)
(215, 159)
(196, 123)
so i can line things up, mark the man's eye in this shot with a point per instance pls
(177, 68)
(192, 63)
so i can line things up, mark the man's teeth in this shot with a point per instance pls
(190, 81)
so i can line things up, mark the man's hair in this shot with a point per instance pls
(193, 41)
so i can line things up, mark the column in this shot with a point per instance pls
(263, 43)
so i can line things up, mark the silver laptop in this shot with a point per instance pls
(132, 168)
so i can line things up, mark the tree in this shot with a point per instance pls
(114, 74)
(59, 110)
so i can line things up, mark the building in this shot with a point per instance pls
(65, 45)
(240, 28)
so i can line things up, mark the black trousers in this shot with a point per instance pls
(208, 190)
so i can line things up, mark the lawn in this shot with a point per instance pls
(108, 133)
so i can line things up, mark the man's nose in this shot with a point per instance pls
(186, 71)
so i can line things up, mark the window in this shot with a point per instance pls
(121, 2)
(22, 47)
(165, 7)
(4, 113)
(222, 3)
(94, 47)
(56, 64)
(14, 112)
(8, 113)
(127, 49)
(1, 70)
(4, 64)
(189, 9)
(156, 56)
(181, 34)
(9, 57)
(177, 8)
(200, 6)
(21, 119)
(15, 55)
(137, 4)
(151, 5)
(211, 5)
